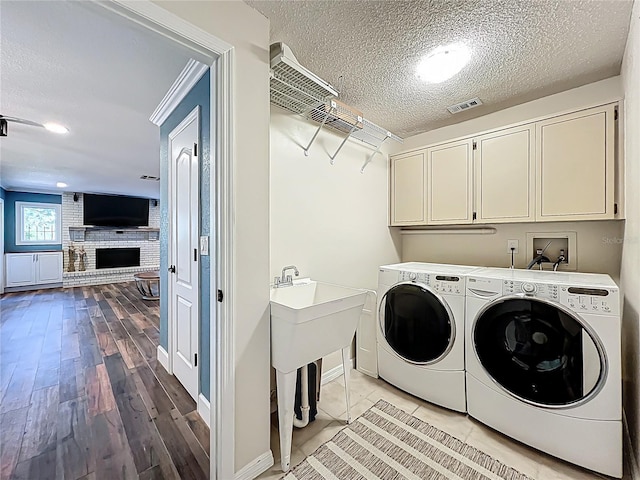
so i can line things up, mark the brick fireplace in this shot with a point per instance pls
(144, 240)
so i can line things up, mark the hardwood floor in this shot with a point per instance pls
(82, 394)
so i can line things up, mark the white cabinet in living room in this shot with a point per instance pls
(575, 166)
(37, 268)
(504, 175)
(449, 183)
(408, 189)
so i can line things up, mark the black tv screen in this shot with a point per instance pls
(115, 211)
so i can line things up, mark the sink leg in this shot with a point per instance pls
(286, 383)
(346, 367)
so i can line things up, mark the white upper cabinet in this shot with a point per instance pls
(408, 189)
(449, 183)
(504, 176)
(575, 166)
(562, 168)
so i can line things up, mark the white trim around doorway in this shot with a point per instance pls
(220, 57)
(2, 267)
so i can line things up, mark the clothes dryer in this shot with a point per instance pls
(543, 362)
(420, 331)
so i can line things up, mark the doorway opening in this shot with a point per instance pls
(218, 56)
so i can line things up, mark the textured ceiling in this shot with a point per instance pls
(102, 77)
(521, 50)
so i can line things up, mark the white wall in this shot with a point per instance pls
(598, 93)
(328, 220)
(630, 274)
(248, 32)
(598, 245)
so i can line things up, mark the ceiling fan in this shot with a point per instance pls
(52, 127)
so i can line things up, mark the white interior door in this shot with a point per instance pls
(184, 195)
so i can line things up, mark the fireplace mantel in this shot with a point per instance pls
(78, 234)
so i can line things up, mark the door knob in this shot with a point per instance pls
(172, 269)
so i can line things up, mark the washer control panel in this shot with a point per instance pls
(578, 299)
(511, 287)
(592, 300)
(446, 284)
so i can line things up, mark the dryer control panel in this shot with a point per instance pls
(444, 284)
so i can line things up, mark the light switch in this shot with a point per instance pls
(204, 245)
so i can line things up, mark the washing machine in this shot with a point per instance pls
(420, 330)
(543, 362)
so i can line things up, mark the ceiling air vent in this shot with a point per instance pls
(460, 107)
(149, 177)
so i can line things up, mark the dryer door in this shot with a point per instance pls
(417, 323)
(539, 351)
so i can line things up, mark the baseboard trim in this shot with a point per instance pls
(204, 409)
(628, 449)
(334, 373)
(27, 288)
(256, 467)
(163, 358)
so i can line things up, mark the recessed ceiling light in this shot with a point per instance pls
(61, 185)
(56, 128)
(443, 63)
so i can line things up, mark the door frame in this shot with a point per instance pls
(220, 58)
(2, 265)
(172, 324)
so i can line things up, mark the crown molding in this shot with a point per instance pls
(187, 79)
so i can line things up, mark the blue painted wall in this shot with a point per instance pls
(199, 95)
(10, 199)
(2, 193)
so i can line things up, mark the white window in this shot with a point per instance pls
(38, 223)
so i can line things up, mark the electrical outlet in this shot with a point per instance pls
(512, 244)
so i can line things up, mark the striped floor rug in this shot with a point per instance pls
(386, 443)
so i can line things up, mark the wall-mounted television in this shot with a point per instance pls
(115, 211)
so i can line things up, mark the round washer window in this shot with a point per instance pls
(415, 323)
(538, 351)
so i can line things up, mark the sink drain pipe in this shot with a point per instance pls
(304, 399)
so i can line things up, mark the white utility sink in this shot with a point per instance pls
(309, 320)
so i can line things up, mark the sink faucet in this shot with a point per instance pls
(286, 280)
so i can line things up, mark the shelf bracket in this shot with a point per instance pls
(324, 120)
(368, 160)
(353, 129)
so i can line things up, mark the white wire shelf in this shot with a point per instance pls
(300, 91)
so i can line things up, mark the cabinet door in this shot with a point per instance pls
(49, 267)
(504, 175)
(20, 269)
(407, 189)
(575, 166)
(449, 183)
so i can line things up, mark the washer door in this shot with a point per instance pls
(416, 323)
(539, 351)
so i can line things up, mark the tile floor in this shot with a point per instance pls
(366, 391)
